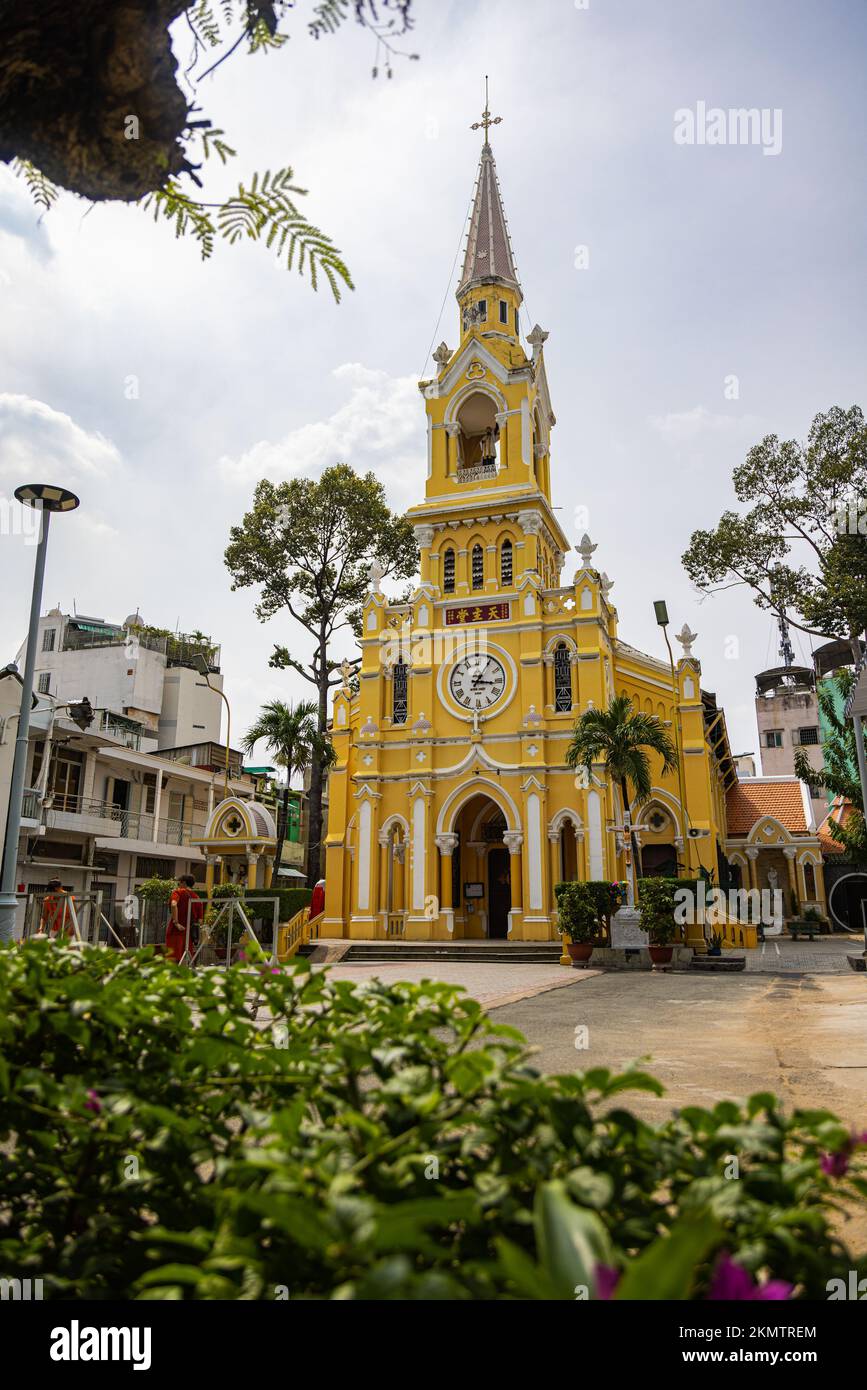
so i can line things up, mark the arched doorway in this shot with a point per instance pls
(480, 868)
(499, 893)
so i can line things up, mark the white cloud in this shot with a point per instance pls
(680, 427)
(380, 427)
(40, 444)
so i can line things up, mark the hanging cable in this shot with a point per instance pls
(449, 285)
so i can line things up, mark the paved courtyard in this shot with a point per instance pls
(795, 1022)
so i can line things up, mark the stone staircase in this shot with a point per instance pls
(489, 952)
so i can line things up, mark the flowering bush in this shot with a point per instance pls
(159, 1140)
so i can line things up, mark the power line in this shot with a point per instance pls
(449, 285)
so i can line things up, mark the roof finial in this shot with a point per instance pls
(487, 119)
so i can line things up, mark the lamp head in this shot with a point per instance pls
(661, 611)
(46, 496)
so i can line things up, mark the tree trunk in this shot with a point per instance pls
(636, 858)
(282, 822)
(314, 831)
(71, 78)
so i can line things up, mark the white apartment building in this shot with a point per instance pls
(142, 681)
(102, 816)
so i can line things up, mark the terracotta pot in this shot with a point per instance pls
(661, 955)
(579, 950)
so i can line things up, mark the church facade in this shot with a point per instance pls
(452, 811)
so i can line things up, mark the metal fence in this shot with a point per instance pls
(88, 919)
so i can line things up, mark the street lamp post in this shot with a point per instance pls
(47, 499)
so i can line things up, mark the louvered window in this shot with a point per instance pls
(562, 679)
(449, 572)
(506, 564)
(478, 567)
(399, 693)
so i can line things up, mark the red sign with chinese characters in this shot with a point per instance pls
(477, 613)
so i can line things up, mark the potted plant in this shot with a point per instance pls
(577, 919)
(657, 917)
(715, 947)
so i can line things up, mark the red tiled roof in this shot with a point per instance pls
(838, 814)
(751, 799)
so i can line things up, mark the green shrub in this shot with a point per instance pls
(377, 1141)
(576, 913)
(157, 890)
(657, 906)
(599, 896)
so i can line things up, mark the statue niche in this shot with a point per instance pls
(479, 433)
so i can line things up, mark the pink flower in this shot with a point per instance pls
(607, 1280)
(732, 1283)
(836, 1165)
(93, 1102)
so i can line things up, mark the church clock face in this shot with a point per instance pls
(477, 682)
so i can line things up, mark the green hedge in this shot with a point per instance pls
(382, 1141)
(291, 899)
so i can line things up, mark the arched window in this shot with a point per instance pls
(506, 564)
(449, 572)
(399, 693)
(562, 678)
(810, 882)
(478, 567)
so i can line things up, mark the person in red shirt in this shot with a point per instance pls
(56, 919)
(317, 901)
(187, 910)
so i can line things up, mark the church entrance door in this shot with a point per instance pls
(499, 893)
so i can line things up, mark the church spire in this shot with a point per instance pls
(488, 256)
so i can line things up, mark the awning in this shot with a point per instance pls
(290, 873)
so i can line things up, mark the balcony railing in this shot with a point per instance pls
(31, 804)
(131, 825)
(476, 472)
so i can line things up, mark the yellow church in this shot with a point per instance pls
(452, 811)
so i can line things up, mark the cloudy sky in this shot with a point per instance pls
(661, 270)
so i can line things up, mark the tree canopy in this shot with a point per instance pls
(308, 547)
(801, 547)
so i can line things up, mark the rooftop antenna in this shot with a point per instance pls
(787, 651)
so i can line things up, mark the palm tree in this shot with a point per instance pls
(621, 737)
(290, 734)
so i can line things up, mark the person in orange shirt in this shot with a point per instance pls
(56, 918)
(187, 910)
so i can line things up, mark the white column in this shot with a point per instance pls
(362, 898)
(594, 826)
(418, 854)
(534, 851)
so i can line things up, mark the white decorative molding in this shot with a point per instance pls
(513, 840)
(586, 549)
(446, 844)
(364, 826)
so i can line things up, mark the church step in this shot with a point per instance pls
(720, 965)
(541, 953)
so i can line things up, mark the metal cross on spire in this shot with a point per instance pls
(487, 119)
